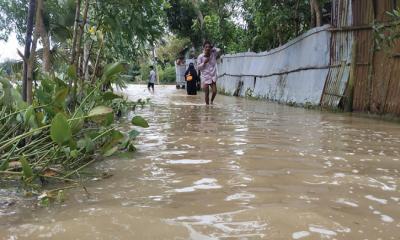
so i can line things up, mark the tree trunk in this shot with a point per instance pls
(316, 11)
(46, 49)
(32, 57)
(44, 35)
(96, 65)
(297, 19)
(76, 28)
(87, 47)
(73, 53)
(27, 51)
(79, 37)
(312, 12)
(78, 53)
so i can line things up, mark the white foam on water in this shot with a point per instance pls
(395, 199)
(205, 183)
(322, 231)
(188, 146)
(383, 186)
(174, 152)
(379, 200)
(240, 196)
(186, 189)
(346, 202)
(239, 152)
(386, 218)
(189, 161)
(339, 175)
(156, 198)
(301, 234)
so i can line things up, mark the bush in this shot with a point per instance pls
(168, 75)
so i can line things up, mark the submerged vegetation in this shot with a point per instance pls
(58, 111)
(52, 140)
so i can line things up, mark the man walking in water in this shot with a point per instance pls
(207, 64)
(152, 79)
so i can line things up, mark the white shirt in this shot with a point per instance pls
(208, 70)
(152, 78)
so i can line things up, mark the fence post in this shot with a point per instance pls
(348, 106)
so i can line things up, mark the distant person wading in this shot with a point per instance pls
(191, 78)
(207, 64)
(152, 79)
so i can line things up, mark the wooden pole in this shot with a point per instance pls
(348, 106)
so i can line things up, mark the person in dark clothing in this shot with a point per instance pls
(191, 78)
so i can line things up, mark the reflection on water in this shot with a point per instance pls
(240, 169)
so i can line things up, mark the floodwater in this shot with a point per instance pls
(240, 169)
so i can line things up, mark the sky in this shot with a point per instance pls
(8, 50)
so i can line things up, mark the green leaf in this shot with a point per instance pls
(100, 111)
(60, 131)
(116, 135)
(77, 124)
(131, 148)
(60, 83)
(71, 72)
(113, 139)
(112, 142)
(108, 120)
(74, 153)
(39, 118)
(28, 114)
(133, 134)
(139, 121)
(61, 95)
(44, 202)
(108, 96)
(17, 98)
(43, 97)
(99, 36)
(87, 144)
(26, 168)
(110, 151)
(113, 69)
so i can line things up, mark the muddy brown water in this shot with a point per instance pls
(240, 169)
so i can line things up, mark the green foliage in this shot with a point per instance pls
(26, 168)
(387, 35)
(58, 18)
(129, 26)
(139, 121)
(49, 133)
(167, 75)
(60, 131)
(180, 17)
(172, 48)
(273, 23)
(236, 26)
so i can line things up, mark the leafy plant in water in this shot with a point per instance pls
(48, 141)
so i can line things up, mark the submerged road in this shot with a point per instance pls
(240, 169)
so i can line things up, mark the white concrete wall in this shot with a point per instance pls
(277, 75)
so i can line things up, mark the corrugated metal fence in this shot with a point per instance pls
(333, 66)
(376, 82)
